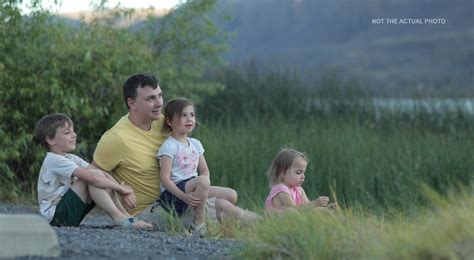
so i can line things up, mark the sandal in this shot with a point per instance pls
(199, 230)
(130, 222)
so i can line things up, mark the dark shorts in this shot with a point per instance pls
(71, 210)
(171, 203)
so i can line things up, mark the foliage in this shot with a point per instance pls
(368, 154)
(47, 66)
(445, 231)
(378, 164)
(187, 43)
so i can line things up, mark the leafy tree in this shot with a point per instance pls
(187, 43)
(48, 66)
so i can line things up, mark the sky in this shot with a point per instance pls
(83, 5)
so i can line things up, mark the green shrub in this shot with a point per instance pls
(47, 66)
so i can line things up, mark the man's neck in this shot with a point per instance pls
(140, 123)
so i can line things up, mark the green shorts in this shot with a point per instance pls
(71, 210)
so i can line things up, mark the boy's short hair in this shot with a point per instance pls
(47, 125)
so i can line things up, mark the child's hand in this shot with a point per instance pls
(321, 201)
(126, 189)
(332, 207)
(128, 197)
(129, 201)
(191, 200)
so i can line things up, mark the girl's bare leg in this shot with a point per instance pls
(223, 193)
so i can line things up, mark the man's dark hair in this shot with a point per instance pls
(138, 80)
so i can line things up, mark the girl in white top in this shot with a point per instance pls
(181, 158)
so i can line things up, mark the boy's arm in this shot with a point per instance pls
(129, 200)
(202, 166)
(99, 180)
(94, 166)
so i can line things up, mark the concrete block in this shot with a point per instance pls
(27, 235)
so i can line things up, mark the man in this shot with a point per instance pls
(128, 151)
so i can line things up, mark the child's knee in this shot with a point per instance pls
(232, 194)
(222, 204)
(203, 182)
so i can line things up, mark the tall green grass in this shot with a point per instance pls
(443, 231)
(376, 166)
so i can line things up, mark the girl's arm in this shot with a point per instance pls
(322, 201)
(283, 199)
(305, 198)
(165, 178)
(202, 166)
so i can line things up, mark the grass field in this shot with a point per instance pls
(364, 163)
(445, 230)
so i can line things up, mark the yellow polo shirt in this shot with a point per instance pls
(128, 153)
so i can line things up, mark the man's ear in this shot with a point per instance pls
(130, 103)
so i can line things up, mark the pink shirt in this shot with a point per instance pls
(295, 194)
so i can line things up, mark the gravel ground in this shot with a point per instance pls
(95, 238)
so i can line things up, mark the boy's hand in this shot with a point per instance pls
(126, 189)
(321, 201)
(128, 195)
(129, 201)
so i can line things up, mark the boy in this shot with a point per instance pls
(68, 187)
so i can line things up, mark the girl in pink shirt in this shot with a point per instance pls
(286, 175)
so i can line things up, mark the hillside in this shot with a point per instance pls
(316, 36)
(427, 48)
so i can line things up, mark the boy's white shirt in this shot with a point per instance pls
(55, 179)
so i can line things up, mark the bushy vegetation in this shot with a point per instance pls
(376, 161)
(47, 66)
(366, 155)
